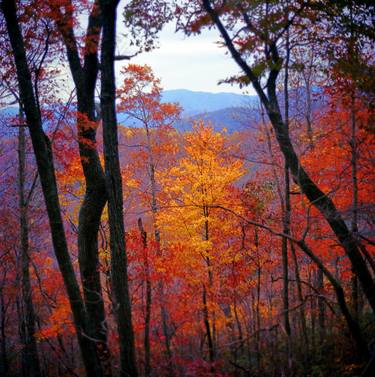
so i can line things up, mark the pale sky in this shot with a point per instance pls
(195, 63)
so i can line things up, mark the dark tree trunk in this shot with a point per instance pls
(239, 327)
(46, 170)
(4, 364)
(21, 330)
(354, 223)
(206, 321)
(206, 314)
(114, 192)
(305, 338)
(148, 300)
(88, 227)
(286, 217)
(30, 352)
(321, 307)
(85, 77)
(257, 303)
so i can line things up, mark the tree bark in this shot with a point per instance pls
(206, 313)
(43, 154)
(321, 307)
(114, 191)
(286, 216)
(206, 321)
(148, 300)
(354, 221)
(85, 77)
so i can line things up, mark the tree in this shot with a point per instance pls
(44, 158)
(199, 181)
(114, 190)
(140, 99)
(84, 75)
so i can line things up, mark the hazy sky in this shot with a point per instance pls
(195, 63)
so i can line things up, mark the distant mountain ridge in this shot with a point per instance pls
(223, 110)
(194, 102)
(231, 118)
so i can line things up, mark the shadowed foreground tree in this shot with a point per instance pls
(119, 276)
(84, 76)
(43, 154)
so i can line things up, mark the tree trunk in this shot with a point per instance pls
(30, 351)
(44, 159)
(206, 321)
(4, 365)
(354, 221)
(305, 342)
(148, 300)
(257, 303)
(286, 217)
(239, 327)
(308, 112)
(206, 313)
(21, 331)
(154, 209)
(85, 77)
(114, 191)
(321, 307)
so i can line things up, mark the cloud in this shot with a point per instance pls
(195, 63)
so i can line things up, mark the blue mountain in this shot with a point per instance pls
(195, 103)
(223, 110)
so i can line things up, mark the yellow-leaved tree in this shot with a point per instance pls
(203, 179)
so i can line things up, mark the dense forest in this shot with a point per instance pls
(135, 248)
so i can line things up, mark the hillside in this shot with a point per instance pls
(231, 118)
